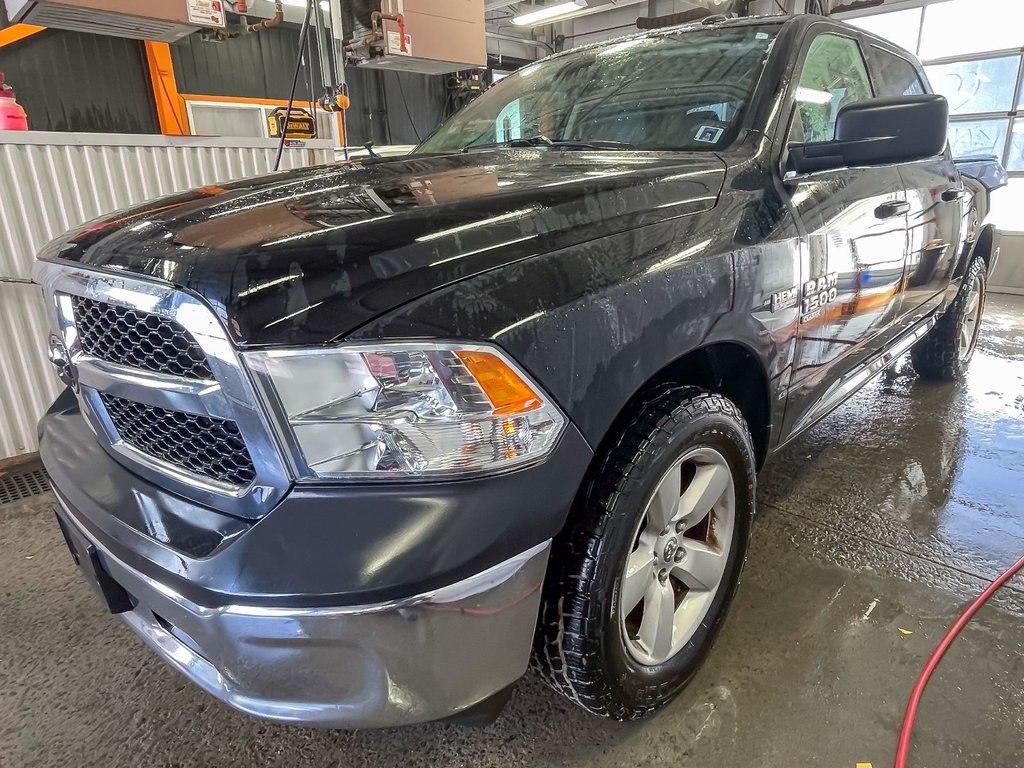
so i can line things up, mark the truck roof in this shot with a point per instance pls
(722, 22)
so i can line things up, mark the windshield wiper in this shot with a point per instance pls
(544, 141)
(596, 144)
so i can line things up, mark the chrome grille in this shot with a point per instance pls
(204, 435)
(138, 339)
(207, 446)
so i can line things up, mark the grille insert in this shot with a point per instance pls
(138, 339)
(206, 446)
(22, 484)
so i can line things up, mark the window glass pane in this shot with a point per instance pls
(976, 86)
(833, 76)
(960, 27)
(1015, 162)
(676, 90)
(1008, 207)
(210, 120)
(896, 76)
(325, 122)
(901, 27)
(978, 137)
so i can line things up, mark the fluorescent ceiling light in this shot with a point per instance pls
(550, 13)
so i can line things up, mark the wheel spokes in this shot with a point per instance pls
(638, 578)
(664, 506)
(702, 568)
(703, 492)
(679, 553)
(972, 303)
(971, 319)
(658, 620)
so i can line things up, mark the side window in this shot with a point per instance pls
(833, 76)
(896, 76)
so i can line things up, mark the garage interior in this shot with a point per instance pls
(874, 530)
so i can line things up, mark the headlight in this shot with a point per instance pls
(406, 410)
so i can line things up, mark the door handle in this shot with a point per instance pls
(892, 209)
(953, 194)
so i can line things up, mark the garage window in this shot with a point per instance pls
(965, 27)
(249, 120)
(901, 27)
(976, 64)
(976, 86)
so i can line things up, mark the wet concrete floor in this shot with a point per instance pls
(875, 529)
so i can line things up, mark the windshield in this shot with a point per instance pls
(676, 91)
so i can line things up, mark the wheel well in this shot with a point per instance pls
(730, 370)
(985, 247)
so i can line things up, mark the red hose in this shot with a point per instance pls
(915, 697)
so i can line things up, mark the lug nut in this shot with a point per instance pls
(663, 576)
(680, 554)
(680, 526)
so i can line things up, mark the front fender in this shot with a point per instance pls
(594, 323)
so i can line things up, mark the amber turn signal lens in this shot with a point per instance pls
(507, 392)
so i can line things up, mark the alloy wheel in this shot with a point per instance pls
(679, 555)
(972, 321)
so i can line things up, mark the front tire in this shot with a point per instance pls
(641, 579)
(946, 350)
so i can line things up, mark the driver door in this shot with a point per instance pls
(854, 222)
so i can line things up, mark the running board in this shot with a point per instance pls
(845, 388)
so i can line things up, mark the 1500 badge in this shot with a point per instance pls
(818, 294)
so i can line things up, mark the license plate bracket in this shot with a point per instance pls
(87, 558)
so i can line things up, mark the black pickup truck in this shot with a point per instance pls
(350, 445)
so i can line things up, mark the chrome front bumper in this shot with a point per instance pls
(421, 658)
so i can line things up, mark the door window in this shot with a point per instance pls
(896, 76)
(833, 76)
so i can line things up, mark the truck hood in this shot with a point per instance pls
(305, 257)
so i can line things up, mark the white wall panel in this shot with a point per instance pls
(51, 182)
(27, 382)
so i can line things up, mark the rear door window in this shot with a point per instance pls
(895, 75)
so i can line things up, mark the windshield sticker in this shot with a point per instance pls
(709, 134)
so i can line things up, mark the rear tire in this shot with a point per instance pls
(945, 352)
(683, 444)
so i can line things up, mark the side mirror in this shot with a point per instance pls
(879, 132)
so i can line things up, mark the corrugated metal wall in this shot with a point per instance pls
(387, 107)
(256, 66)
(28, 384)
(50, 182)
(391, 107)
(74, 81)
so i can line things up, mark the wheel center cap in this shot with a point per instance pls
(670, 549)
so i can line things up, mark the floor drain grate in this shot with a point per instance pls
(22, 485)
